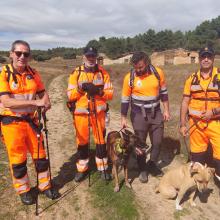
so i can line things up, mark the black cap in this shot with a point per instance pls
(90, 51)
(206, 50)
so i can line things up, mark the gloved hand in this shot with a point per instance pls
(90, 88)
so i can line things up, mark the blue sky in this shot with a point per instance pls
(55, 23)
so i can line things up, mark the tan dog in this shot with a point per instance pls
(178, 181)
(119, 147)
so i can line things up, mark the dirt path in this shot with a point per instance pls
(74, 204)
(153, 206)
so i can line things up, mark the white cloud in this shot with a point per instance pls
(52, 23)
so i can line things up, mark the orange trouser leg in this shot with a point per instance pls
(14, 136)
(198, 137)
(98, 127)
(18, 141)
(82, 136)
(41, 163)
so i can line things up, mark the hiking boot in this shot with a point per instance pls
(105, 175)
(143, 177)
(154, 169)
(80, 176)
(27, 198)
(51, 193)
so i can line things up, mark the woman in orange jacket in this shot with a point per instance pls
(21, 93)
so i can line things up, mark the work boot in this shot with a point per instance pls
(80, 176)
(105, 175)
(51, 193)
(143, 177)
(154, 169)
(27, 198)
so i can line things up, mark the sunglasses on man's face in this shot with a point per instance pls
(19, 54)
(209, 56)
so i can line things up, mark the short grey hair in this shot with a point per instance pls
(15, 43)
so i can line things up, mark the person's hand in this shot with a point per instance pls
(43, 102)
(91, 89)
(183, 131)
(166, 116)
(123, 122)
(86, 86)
(206, 115)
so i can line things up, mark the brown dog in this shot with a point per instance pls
(178, 181)
(119, 148)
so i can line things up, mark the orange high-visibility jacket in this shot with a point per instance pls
(75, 93)
(203, 93)
(20, 86)
(147, 91)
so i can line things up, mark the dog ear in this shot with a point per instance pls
(211, 170)
(124, 135)
(194, 168)
(127, 132)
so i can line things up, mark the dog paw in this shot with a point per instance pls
(179, 207)
(193, 204)
(116, 189)
(128, 185)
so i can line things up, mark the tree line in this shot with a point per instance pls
(207, 33)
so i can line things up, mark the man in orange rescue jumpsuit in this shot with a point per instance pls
(89, 89)
(20, 86)
(201, 102)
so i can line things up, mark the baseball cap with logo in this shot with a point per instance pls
(90, 51)
(206, 50)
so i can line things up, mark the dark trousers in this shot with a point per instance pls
(152, 125)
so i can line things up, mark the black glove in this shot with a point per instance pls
(90, 88)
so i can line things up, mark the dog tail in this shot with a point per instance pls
(157, 190)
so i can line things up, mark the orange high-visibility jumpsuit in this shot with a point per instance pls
(19, 136)
(95, 108)
(204, 95)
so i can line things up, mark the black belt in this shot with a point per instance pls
(6, 120)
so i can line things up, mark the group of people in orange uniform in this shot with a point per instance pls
(22, 94)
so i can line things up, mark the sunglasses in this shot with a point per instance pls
(209, 56)
(19, 54)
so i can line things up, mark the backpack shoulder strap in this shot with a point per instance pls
(100, 70)
(132, 75)
(31, 70)
(8, 73)
(155, 72)
(11, 73)
(195, 79)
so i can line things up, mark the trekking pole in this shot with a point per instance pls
(98, 134)
(89, 124)
(38, 155)
(185, 143)
(47, 145)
